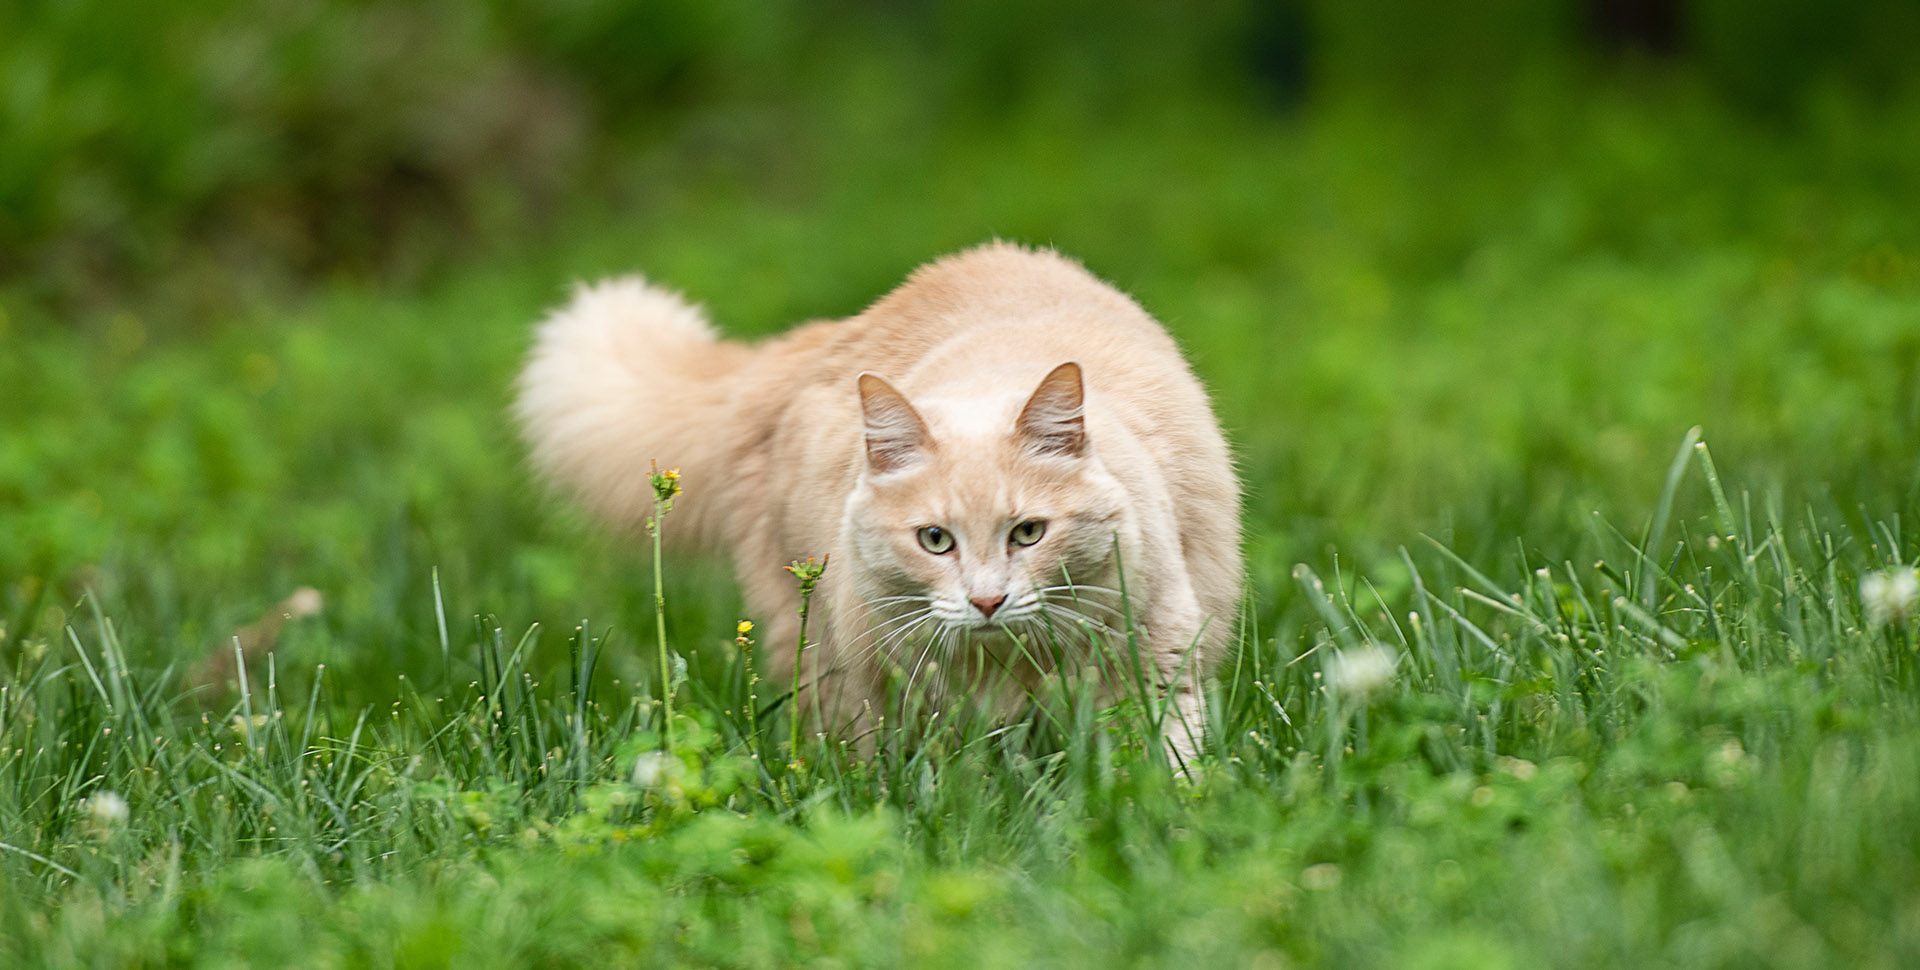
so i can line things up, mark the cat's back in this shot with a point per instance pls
(1000, 283)
(985, 324)
(1000, 311)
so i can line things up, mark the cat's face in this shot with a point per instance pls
(977, 518)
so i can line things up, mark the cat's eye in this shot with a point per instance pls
(936, 540)
(1027, 533)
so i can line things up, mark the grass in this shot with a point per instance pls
(1639, 715)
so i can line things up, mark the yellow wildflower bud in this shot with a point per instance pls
(666, 484)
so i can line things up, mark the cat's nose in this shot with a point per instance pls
(987, 604)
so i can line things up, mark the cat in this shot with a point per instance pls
(984, 456)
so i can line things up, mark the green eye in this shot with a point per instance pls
(1027, 533)
(936, 540)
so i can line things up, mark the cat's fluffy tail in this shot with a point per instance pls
(626, 375)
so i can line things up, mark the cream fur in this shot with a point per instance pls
(772, 444)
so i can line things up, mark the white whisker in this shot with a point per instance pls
(1073, 596)
(883, 600)
(852, 651)
(902, 635)
(1063, 612)
(907, 694)
(883, 625)
(1117, 613)
(1080, 588)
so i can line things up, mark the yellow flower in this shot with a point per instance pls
(745, 627)
(666, 484)
(807, 571)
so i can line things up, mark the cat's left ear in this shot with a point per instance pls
(1054, 420)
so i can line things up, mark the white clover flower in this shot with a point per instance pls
(303, 602)
(650, 769)
(107, 808)
(1890, 595)
(1361, 671)
(1324, 876)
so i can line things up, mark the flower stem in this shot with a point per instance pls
(660, 633)
(666, 485)
(799, 651)
(807, 573)
(745, 643)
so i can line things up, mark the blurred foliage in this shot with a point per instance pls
(205, 150)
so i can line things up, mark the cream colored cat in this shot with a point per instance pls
(983, 453)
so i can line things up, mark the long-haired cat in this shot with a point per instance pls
(986, 454)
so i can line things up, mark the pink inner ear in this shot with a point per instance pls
(895, 432)
(1054, 420)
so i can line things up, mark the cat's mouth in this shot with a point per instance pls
(970, 619)
(1038, 612)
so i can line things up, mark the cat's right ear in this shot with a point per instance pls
(896, 435)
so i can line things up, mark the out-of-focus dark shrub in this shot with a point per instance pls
(1767, 56)
(636, 60)
(1410, 50)
(1102, 55)
(204, 142)
(207, 145)
(1771, 55)
(293, 134)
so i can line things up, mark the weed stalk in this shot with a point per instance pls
(744, 640)
(808, 575)
(666, 485)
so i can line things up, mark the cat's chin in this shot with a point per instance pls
(979, 626)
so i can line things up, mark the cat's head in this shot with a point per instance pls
(981, 509)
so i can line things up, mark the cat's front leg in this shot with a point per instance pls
(1183, 723)
(1179, 654)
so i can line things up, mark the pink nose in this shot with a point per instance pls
(987, 604)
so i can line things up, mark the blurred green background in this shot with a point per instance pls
(267, 268)
(212, 148)
(1468, 271)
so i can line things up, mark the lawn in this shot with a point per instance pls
(1591, 407)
